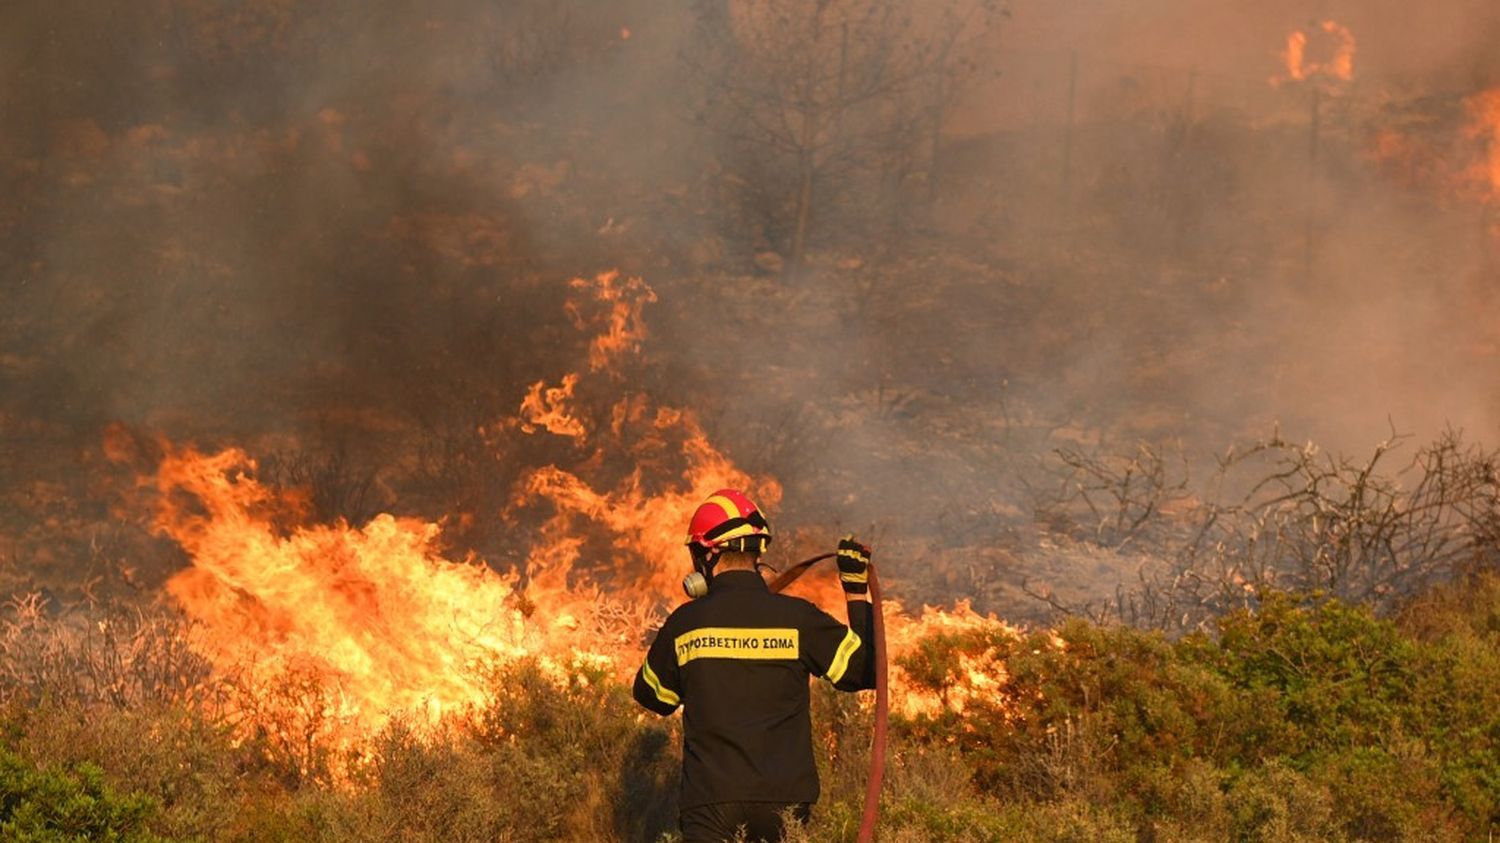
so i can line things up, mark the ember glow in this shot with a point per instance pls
(384, 624)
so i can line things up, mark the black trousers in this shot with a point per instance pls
(720, 821)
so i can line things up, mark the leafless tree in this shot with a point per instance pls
(830, 99)
(528, 42)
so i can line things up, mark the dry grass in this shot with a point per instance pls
(1118, 736)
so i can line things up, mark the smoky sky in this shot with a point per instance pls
(351, 224)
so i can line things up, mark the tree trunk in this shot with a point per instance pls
(806, 173)
(1314, 141)
(937, 117)
(803, 221)
(1067, 168)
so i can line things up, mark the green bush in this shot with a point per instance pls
(62, 806)
(189, 766)
(1306, 719)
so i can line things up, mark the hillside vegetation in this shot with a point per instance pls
(1307, 720)
(991, 284)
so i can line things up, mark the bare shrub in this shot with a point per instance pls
(338, 488)
(785, 436)
(1279, 515)
(1113, 500)
(288, 719)
(121, 656)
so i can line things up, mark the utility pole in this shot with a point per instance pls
(1189, 105)
(1067, 167)
(1314, 138)
(1489, 234)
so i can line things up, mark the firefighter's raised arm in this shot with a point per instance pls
(845, 655)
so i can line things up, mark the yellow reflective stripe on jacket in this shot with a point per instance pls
(666, 695)
(712, 642)
(840, 664)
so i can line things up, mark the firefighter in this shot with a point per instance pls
(737, 660)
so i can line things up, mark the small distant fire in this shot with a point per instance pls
(385, 625)
(1453, 153)
(1484, 129)
(1325, 55)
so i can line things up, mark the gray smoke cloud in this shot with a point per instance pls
(349, 226)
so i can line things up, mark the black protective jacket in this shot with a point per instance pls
(738, 660)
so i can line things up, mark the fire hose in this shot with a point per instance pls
(882, 698)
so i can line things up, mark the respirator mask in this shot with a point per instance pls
(696, 583)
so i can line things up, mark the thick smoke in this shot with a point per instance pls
(345, 228)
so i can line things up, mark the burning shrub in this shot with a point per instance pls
(1303, 720)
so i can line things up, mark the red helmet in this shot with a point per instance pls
(729, 521)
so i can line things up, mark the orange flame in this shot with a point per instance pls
(1295, 55)
(1484, 128)
(1338, 47)
(375, 611)
(981, 675)
(547, 407)
(1455, 162)
(650, 525)
(391, 627)
(625, 328)
(387, 625)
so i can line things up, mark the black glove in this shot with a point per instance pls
(854, 566)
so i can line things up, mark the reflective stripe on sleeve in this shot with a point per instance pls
(840, 664)
(666, 695)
